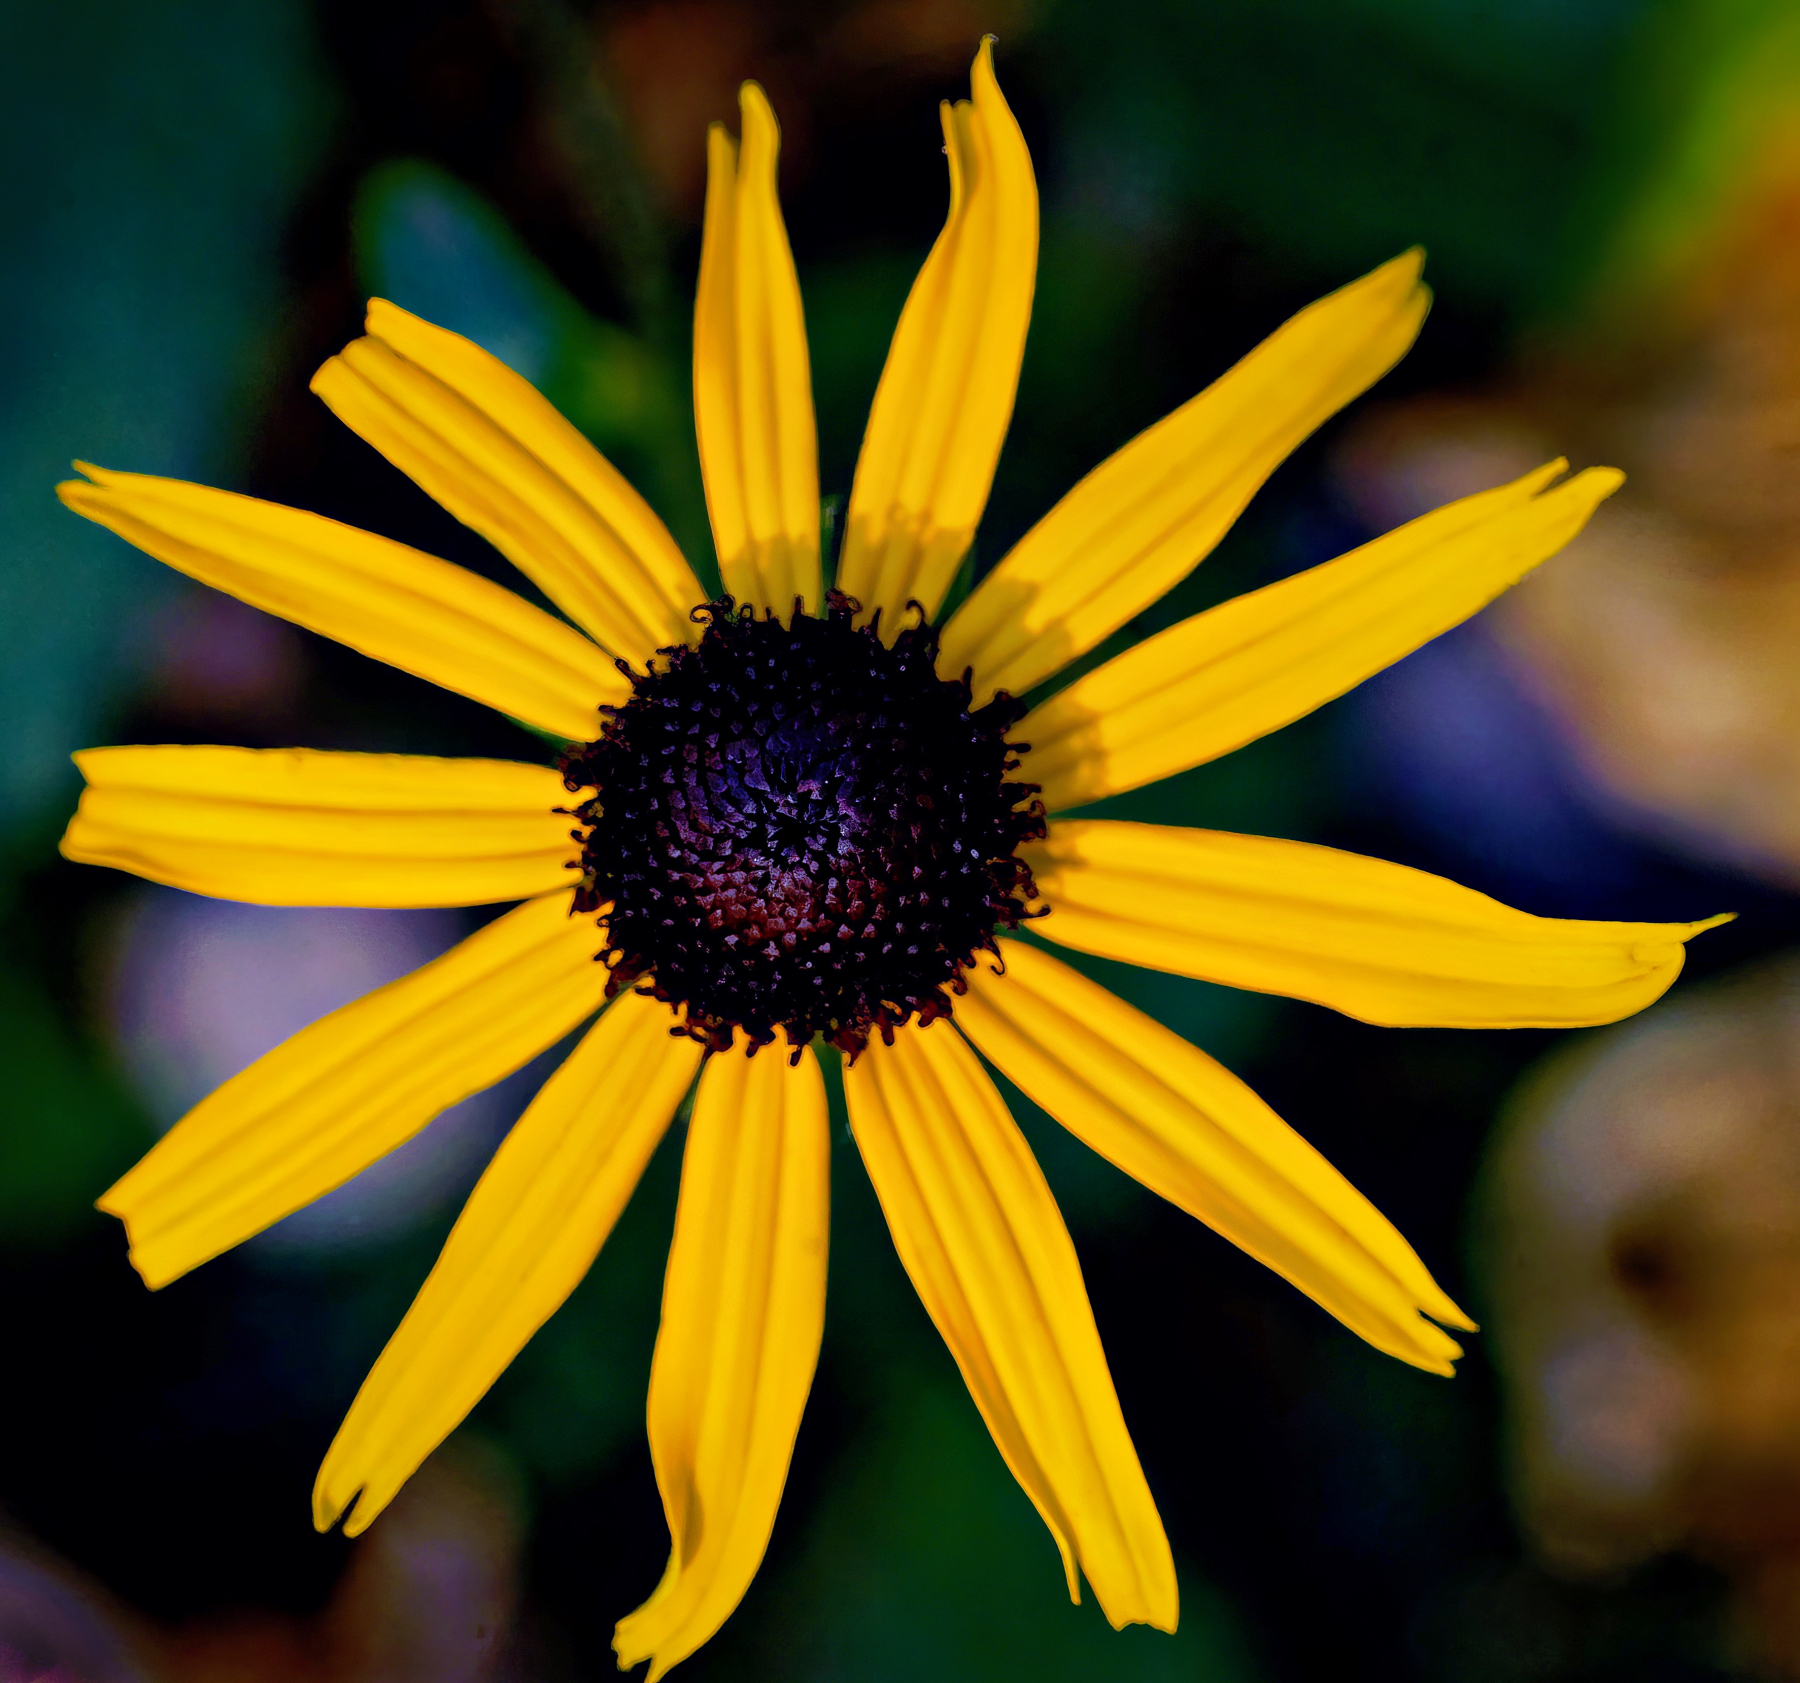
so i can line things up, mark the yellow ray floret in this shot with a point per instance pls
(1374, 940)
(1260, 661)
(946, 393)
(487, 446)
(326, 1103)
(984, 1243)
(529, 1232)
(299, 827)
(1142, 519)
(1171, 1117)
(425, 616)
(743, 1310)
(753, 408)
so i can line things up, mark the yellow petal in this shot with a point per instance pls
(1374, 940)
(946, 394)
(977, 1229)
(327, 1102)
(1187, 1128)
(743, 1308)
(489, 447)
(1142, 519)
(439, 622)
(298, 827)
(529, 1232)
(1251, 665)
(753, 408)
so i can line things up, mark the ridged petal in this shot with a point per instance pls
(484, 443)
(980, 1234)
(946, 395)
(1374, 940)
(330, 1100)
(1141, 521)
(425, 616)
(743, 1309)
(300, 827)
(1186, 1127)
(529, 1232)
(753, 408)
(1260, 661)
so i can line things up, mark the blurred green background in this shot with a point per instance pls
(196, 199)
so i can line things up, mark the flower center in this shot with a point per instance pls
(799, 827)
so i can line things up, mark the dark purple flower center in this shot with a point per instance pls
(801, 828)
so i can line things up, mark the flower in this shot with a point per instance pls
(794, 811)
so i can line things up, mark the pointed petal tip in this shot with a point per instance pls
(1410, 262)
(984, 81)
(753, 103)
(1706, 923)
(325, 1511)
(1448, 1314)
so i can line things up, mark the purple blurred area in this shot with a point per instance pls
(198, 989)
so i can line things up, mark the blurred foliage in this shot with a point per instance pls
(1338, 134)
(1709, 103)
(432, 245)
(69, 1129)
(152, 155)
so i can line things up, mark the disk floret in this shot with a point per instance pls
(798, 827)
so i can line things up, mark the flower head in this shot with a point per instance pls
(813, 814)
(802, 826)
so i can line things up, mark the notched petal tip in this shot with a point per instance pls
(155, 1275)
(352, 1513)
(81, 496)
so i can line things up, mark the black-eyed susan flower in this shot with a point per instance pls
(790, 816)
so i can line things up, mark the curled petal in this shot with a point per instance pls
(1260, 661)
(946, 394)
(441, 623)
(529, 1232)
(481, 441)
(981, 1236)
(301, 827)
(330, 1100)
(1186, 1127)
(753, 408)
(1374, 940)
(743, 1310)
(1148, 514)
